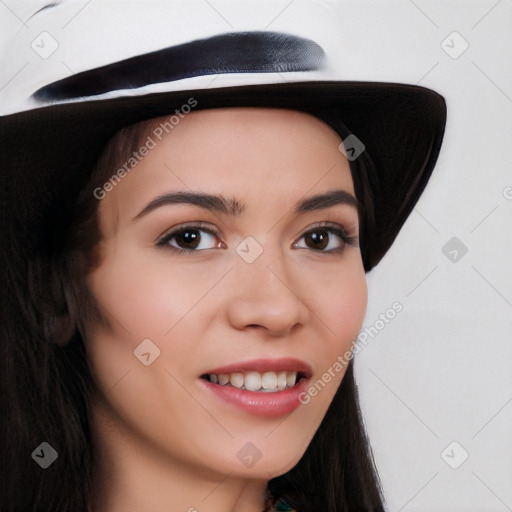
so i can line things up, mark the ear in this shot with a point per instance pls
(59, 329)
(59, 318)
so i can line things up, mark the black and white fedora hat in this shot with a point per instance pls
(78, 71)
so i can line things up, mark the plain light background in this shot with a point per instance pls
(435, 381)
(440, 371)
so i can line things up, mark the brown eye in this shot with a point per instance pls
(326, 239)
(317, 239)
(190, 239)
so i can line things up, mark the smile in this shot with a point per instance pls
(265, 387)
(268, 382)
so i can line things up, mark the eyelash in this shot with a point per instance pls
(339, 231)
(163, 241)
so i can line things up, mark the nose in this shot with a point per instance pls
(265, 296)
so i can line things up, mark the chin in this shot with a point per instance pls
(260, 460)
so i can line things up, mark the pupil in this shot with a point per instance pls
(318, 239)
(189, 238)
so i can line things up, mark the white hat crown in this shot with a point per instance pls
(215, 44)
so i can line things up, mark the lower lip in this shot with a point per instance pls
(278, 403)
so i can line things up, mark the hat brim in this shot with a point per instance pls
(49, 152)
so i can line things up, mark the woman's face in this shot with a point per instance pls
(229, 252)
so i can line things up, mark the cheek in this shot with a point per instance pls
(343, 306)
(147, 299)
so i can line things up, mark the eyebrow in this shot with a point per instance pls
(230, 206)
(207, 201)
(321, 201)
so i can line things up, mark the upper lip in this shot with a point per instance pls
(265, 365)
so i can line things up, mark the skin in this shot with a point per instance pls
(163, 443)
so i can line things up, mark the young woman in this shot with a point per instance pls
(185, 279)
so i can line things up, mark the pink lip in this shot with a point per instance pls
(274, 404)
(266, 365)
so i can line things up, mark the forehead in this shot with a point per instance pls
(252, 154)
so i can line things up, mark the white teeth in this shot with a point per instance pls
(281, 381)
(253, 381)
(291, 378)
(267, 382)
(237, 380)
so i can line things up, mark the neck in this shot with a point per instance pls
(130, 475)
